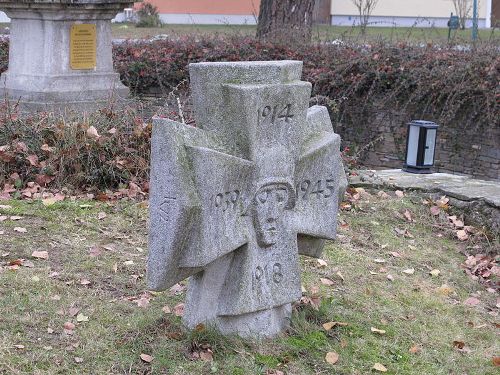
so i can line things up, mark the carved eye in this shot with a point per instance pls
(262, 196)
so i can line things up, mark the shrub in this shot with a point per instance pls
(103, 150)
(455, 88)
(148, 16)
(445, 84)
(4, 54)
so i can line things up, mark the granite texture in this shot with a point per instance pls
(39, 76)
(235, 201)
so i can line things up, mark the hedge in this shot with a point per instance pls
(457, 88)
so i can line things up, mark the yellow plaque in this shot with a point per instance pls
(83, 47)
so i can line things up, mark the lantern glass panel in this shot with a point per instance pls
(430, 145)
(411, 156)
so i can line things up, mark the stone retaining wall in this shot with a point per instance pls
(380, 136)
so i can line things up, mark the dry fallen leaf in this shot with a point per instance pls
(33, 159)
(143, 302)
(496, 361)
(321, 263)
(274, 372)
(45, 147)
(82, 318)
(409, 271)
(457, 223)
(179, 309)
(415, 349)
(200, 327)
(379, 367)
(207, 355)
(40, 254)
(328, 326)
(461, 347)
(407, 215)
(445, 290)
(462, 235)
(435, 210)
(443, 202)
(472, 301)
(92, 133)
(332, 358)
(19, 346)
(73, 311)
(69, 326)
(326, 281)
(101, 215)
(146, 358)
(166, 310)
(383, 195)
(340, 276)
(49, 201)
(20, 230)
(376, 330)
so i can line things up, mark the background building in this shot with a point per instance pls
(421, 13)
(238, 12)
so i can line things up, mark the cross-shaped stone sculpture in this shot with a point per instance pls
(235, 200)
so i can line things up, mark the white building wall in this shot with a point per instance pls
(421, 13)
(381, 21)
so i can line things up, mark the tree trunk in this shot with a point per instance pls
(285, 20)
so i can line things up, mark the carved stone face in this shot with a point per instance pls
(270, 202)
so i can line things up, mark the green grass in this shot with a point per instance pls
(320, 33)
(411, 309)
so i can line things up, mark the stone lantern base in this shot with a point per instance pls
(61, 54)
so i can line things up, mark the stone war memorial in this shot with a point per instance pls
(60, 54)
(235, 200)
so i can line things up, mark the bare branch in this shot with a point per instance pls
(365, 9)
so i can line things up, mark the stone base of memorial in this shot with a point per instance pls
(235, 200)
(60, 54)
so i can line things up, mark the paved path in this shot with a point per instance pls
(460, 187)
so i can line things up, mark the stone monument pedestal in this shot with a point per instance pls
(61, 54)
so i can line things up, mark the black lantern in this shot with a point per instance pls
(420, 146)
